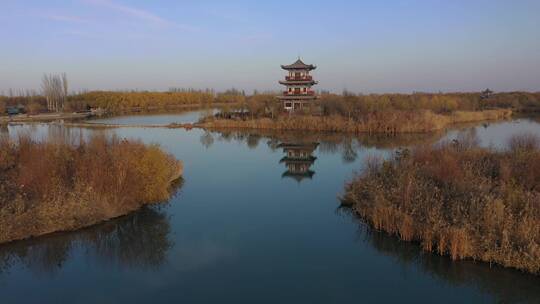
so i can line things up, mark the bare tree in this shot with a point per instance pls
(65, 84)
(55, 88)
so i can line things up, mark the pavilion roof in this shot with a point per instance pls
(298, 65)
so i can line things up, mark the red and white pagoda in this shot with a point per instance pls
(298, 93)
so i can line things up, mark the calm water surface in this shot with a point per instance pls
(157, 119)
(249, 226)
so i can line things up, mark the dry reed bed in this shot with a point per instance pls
(67, 184)
(388, 122)
(458, 199)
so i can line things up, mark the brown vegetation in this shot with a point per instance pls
(123, 101)
(35, 107)
(389, 122)
(258, 105)
(355, 106)
(61, 185)
(374, 113)
(458, 199)
(22, 100)
(351, 104)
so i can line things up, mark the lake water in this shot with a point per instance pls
(157, 119)
(250, 225)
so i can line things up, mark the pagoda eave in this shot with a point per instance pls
(292, 68)
(298, 160)
(298, 82)
(311, 145)
(298, 176)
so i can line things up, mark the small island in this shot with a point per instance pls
(301, 108)
(458, 199)
(64, 184)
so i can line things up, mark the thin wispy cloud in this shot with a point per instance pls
(65, 18)
(80, 34)
(140, 14)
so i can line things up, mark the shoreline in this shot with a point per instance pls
(421, 122)
(168, 110)
(44, 117)
(71, 228)
(437, 122)
(66, 205)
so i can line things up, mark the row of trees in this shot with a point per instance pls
(55, 90)
(56, 98)
(54, 95)
(356, 106)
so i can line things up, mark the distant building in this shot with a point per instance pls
(486, 94)
(298, 159)
(15, 110)
(298, 83)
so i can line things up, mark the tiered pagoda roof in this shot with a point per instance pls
(311, 146)
(298, 176)
(299, 65)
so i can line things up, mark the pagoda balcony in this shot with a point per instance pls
(293, 78)
(299, 93)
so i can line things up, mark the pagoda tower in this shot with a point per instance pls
(298, 93)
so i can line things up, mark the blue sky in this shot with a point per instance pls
(362, 46)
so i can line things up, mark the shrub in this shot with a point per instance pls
(59, 185)
(35, 108)
(458, 200)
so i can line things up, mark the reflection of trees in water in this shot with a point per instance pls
(139, 240)
(273, 144)
(207, 139)
(4, 130)
(349, 154)
(253, 140)
(330, 143)
(535, 118)
(505, 285)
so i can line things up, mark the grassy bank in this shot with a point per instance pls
(388, 122)
(66, 184)
(458, 199)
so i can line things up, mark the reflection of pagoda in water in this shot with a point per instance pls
(298, 159)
